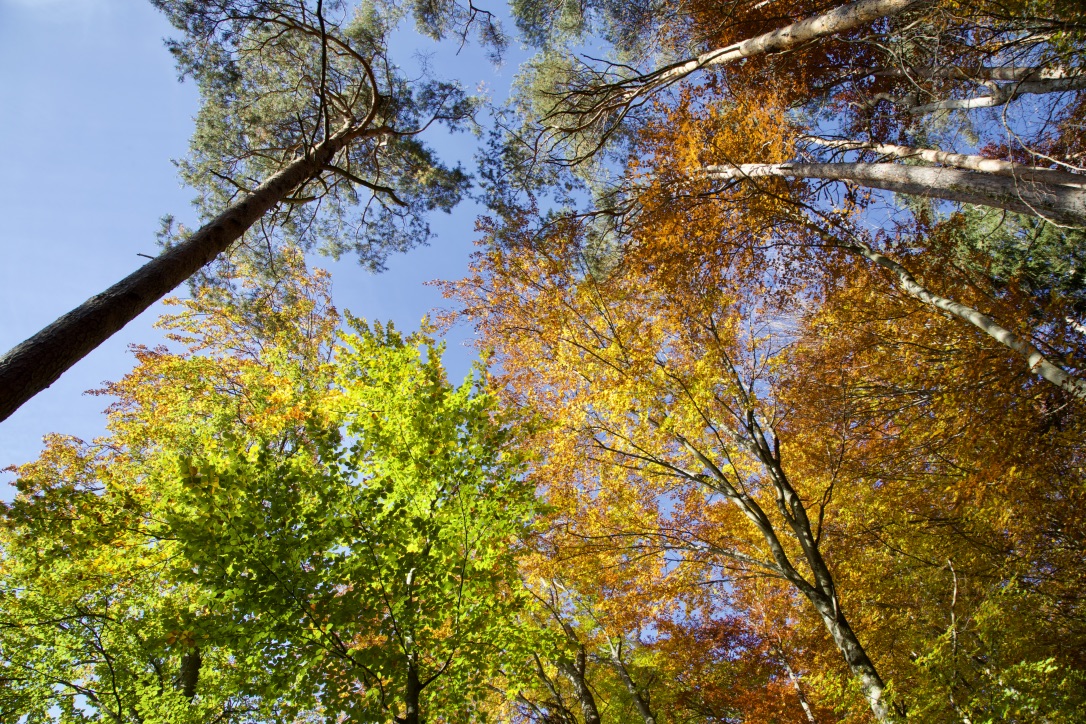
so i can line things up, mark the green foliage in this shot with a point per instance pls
(1045, 259)
(341, 549)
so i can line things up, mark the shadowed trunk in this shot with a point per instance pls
(412, 714)
(190, 672)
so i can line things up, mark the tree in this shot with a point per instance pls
(306, 124)
(314, 530)
(656, 387)
(681, 412)
(806, 92)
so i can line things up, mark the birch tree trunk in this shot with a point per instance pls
(1064, 205)
(36, 363)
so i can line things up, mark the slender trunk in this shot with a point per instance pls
(639, 701)
(1036, 361)
(1062, 204)
(38, 362)
(822, 592)
(1029, 174)
(190, 672)
(799, 691)
(412, 714)
(1003, 94)
(839, 20)
(576, 675)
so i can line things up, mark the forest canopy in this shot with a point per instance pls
(779, 411)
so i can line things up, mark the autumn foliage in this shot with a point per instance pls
(780, 416)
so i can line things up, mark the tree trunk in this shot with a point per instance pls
(1028, 174)
(412, 715)
(859, 663)
(1064, 205)
(1003, 94)
(1016, 73)
(639, 701)
(576, 673)
(190, 672)
(1036, 361)
(36, 363)
(806, 705)
(822, 591)
(839, 20)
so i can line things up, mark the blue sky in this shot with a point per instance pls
(91, 115)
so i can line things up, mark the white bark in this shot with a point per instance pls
(839, 20)
(1003, 94)
(1031, 174)
(1064, 205)
(977, 73)
(1034, 358)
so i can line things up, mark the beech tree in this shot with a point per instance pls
(679, 417)
(281, 526)
(859, 78)
(305, 125)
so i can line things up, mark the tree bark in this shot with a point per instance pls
(576, 673)
(639, 701)
(1016, 73)
(38, 362)
(822, 591)
(1029, 174)
(806, 705)
(190, 672)
(1036, 361)
(1003, 94)
(1064, 205)
(839, 20)
(412, 715)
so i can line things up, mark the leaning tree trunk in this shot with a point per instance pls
(575, 672)
(33, 365)
(1022, 172)
(839, 20)
(639, 701)
(1064, 205)
(1034, 358)
(609, 99)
